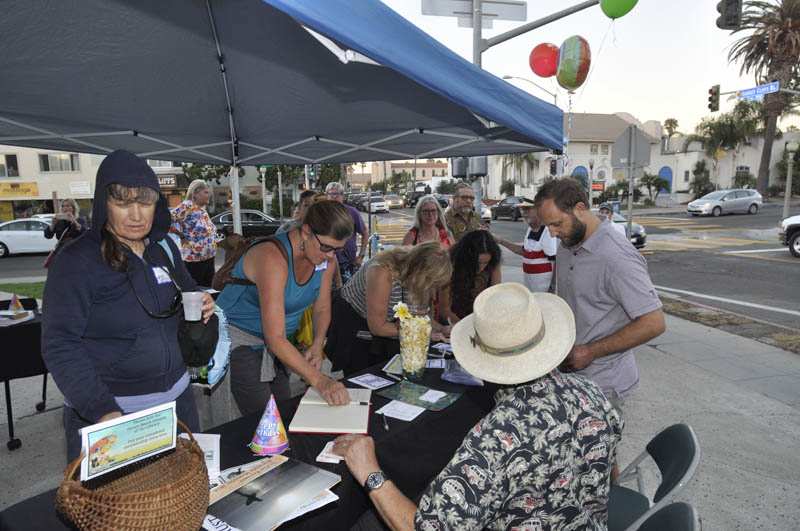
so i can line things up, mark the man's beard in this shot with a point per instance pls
(576, 236)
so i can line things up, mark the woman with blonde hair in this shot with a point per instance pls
(198, 235)
(366, 303)
(429, 224)
(65, 226)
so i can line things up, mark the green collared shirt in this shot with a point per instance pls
(459, 224)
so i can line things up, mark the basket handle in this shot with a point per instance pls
(73, 466)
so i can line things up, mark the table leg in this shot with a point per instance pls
(12, 443)
(41, 405)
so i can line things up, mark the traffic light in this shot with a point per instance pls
(730, 14)
(713, 98)
(311, 172)
(553, 166)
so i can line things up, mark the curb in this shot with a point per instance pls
(764, 332)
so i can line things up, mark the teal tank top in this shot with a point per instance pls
(240, 302)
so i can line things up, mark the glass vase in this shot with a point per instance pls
(415, 335)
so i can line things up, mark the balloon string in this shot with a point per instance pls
(593, 66)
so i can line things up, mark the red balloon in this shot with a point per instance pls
(544, 60)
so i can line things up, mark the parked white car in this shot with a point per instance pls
(24, 236)
(789, 234)
(726, 202)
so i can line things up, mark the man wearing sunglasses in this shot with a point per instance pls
(349, 260)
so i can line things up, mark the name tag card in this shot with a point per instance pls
(127, 439)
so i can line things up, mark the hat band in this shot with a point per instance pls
(519, 349)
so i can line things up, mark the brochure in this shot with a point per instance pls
(412, 393)
(371, 381)
(127, 439)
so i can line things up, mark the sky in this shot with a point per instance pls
(655, 63)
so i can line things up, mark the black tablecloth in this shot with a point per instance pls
(22, 350)
(410, 453)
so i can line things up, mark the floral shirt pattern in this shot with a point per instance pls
(197, 233)
(459, 224)
(540, 460)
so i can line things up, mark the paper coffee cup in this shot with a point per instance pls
(193, 305)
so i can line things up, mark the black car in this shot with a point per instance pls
(510, 207)
(412, 198)
(638, 234)
(254, 223)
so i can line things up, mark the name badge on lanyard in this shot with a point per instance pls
(162, 277)
(322, 267)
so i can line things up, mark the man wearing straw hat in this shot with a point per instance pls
(605, 281)
(541, 459)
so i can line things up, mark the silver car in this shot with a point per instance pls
(726, 202)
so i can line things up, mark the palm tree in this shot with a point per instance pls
(770, 52)
(518, 162)
(671, 125)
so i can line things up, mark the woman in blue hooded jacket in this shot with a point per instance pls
(110, 322)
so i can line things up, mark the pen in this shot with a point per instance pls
(364, 403)
(385, 422)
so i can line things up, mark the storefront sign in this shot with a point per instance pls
(18, 190)
(598, 186)
(167, 181)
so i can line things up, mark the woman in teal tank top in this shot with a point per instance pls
(273, 283)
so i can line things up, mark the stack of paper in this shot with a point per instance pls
(314, 415)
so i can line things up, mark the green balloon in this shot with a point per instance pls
(617, 8)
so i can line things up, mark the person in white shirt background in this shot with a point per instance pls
(538, 252)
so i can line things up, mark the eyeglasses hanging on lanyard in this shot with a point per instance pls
(176, 300)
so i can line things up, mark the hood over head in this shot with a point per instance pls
(124, 168)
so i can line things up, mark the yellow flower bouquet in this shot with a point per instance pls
(415, 335)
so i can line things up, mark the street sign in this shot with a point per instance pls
(759, 91)
(491, 10)
(621, 151)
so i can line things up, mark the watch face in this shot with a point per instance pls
(375, 480)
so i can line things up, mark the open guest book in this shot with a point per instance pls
(314, 415)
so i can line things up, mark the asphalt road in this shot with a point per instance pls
(735, 258)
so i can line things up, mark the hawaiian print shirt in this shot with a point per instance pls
(540, 460)
(459, 225)
(197, 233)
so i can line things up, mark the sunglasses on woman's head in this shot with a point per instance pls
(324, 247)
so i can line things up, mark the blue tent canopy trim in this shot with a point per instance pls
(252, 82)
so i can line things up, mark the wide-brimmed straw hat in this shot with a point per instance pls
(513, 335)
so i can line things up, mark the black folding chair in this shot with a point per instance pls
(676, 452)
(679, 516)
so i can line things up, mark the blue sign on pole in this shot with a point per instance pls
(756, 93)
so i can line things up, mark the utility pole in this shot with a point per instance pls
(792, 148)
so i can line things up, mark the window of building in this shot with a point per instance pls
(159, 163)
(604, 149)
(686, 176)
(59, 162)
(593, 149)
(423, 173)
(9, 166)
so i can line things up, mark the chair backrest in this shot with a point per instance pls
(678, 516)
(676, 451)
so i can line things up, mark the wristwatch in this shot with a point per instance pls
(375, 481)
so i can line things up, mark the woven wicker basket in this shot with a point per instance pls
(169, 491)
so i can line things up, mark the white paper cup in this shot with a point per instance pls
(193, 305)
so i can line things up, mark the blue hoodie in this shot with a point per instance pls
(97, 340)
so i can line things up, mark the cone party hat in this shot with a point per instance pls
(14, 305)
(270, 436)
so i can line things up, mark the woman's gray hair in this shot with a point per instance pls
(194, 187)
(440, 222)
(76, 210)
(334, 186)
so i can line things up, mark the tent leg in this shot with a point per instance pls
(235, 205)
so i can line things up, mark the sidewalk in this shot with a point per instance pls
(742, 398)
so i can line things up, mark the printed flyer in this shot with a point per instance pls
(127, 439)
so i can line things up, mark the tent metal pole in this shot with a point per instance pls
(181, 148)
(267, 151)
(193, 149)
(46, 132)
(68, 136)
(234, 176)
